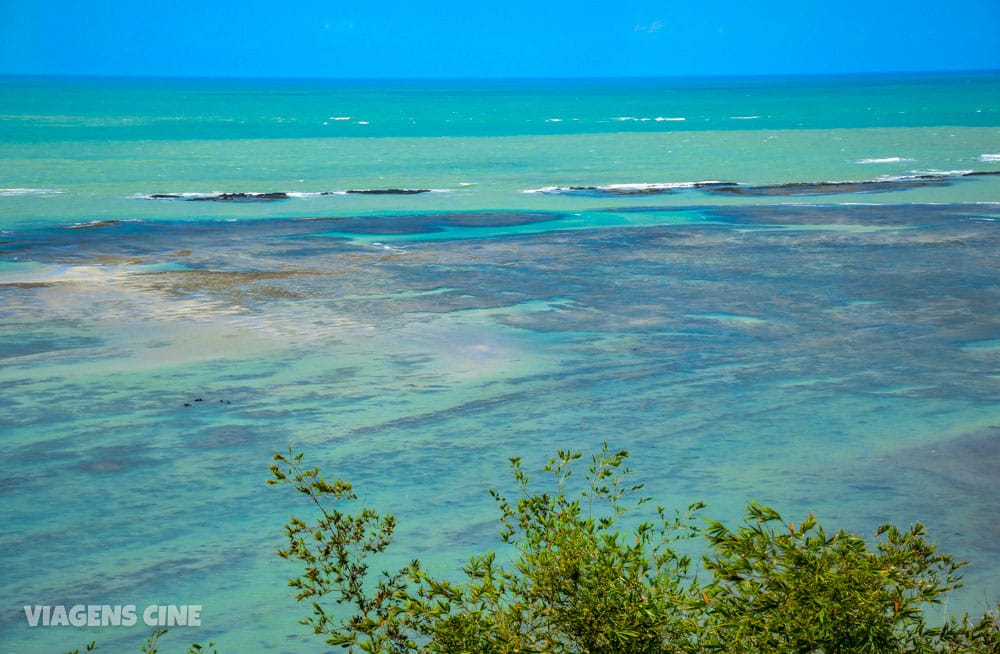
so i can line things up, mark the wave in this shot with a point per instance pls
(277, 196)
(884, 160)
(313, 194)
(989, 157)
(624, 189)
(933, 172)
(644, 119)
(827, 188)
(102, 222)
(886, 183)
(29, 192)
(879, 185)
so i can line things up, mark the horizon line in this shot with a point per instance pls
(496, 78)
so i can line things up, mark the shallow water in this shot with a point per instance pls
(831, 353)
(792, 355)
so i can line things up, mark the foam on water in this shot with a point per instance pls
(31, 192)
(884, 160)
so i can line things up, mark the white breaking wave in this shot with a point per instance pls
(37, 192)
(221, 196)
(645, 119)
(933, 172)
(172, 196)
(622, 188)
(665, 186)
(989, 157)
(883, 160)
(744, 117)
(313, 194)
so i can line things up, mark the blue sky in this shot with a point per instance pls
(513, 38)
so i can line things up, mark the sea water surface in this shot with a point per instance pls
(783, 290)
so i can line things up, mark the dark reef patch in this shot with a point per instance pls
(222, 197)
(828, 188)
(384, 226)
(880, 185)
(113, 459)
(242, 197)
(498, 218)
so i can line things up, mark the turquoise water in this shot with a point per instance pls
(709, 293)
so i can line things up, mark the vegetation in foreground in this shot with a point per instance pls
(582, 583)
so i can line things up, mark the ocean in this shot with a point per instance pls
(774, 289)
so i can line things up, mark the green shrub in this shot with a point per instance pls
(782, 588)
(579, 582)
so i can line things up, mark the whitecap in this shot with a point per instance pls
(744, 117)
(933, 172)
(661, 119)
(553, 120)
(655, 186)
(36, 192)
(989, 157)
(363, 122)
(386, 246)
(313, 194)
(102, 222)
(883, 160)
(172, 196)
(340, 117)
(634, 188)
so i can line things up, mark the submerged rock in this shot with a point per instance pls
(221, 197)
(242, 197)
(623, 190)
(826, 188)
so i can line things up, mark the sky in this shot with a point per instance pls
(489, 39)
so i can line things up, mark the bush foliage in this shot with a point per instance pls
(581, 583)
(595, 570)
